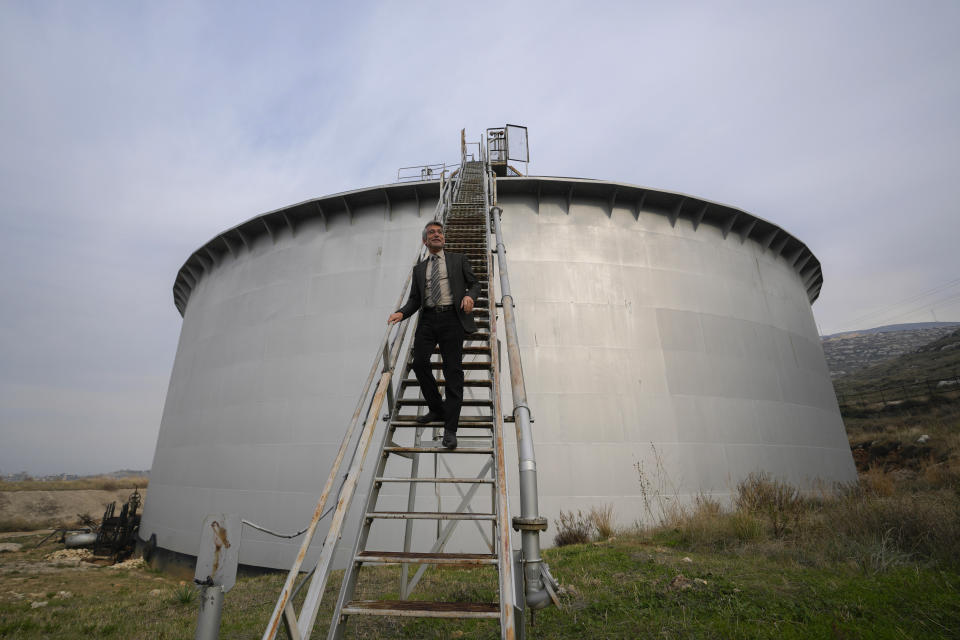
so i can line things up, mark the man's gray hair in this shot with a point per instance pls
(432, 223)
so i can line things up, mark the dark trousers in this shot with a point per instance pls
(442, 329)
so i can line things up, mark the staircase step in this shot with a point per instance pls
(435, 449)
(467, 402)
(422, 609)
(472, 366)
(483, 422)
(441, 383)
(430, 515)
(426, 480)
(400, 557)
(469, 350)
(465, 421)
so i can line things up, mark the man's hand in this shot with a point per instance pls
(467, 304)
(395, 317)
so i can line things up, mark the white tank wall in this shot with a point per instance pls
(659, 351)
(275, 347)
(648, 348)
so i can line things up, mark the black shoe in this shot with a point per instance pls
(449, 439)
(430, 416)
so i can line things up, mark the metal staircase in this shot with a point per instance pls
(481, 464)
(469, 483)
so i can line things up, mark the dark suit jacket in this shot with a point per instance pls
(462, 283)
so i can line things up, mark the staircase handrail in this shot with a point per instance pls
(540, 588)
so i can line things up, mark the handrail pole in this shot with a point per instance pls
(509, 596)
(530, 523)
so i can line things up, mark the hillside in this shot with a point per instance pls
(911, 372)
(849, 352)
(887, 328)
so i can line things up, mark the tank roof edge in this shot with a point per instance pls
(674, 205)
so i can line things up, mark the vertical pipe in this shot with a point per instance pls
(530, 522)
(211, 610)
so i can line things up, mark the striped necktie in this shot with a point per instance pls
(434, 281)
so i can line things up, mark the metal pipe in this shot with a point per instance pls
(211, 610)
(530, 523)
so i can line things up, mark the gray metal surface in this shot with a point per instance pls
(666, 339)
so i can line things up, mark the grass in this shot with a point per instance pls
(624, 588)
(103, 483)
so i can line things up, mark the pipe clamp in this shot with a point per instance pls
(529, 524)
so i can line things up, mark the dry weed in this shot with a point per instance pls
(602, 520)
(878, 482)
(572, 528)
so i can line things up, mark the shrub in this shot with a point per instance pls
(572, 529)
(776, 500)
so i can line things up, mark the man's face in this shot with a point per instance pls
(434, 239)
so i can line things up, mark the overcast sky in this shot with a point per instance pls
(133, 132)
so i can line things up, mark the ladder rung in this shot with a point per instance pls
(440, 383)
(485, 450)
(467, 402)
(401, 557)
(410, 422)
(473, 366)
(469, 350)
(425, 480)
(465, 421)
(421, 609)
(429, 515)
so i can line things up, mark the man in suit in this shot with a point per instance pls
(443, 290)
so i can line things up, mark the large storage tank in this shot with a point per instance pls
(668, 343)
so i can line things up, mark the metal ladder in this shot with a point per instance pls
(480, 433)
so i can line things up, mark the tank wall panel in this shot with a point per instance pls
(275, 346)
(666, 353)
